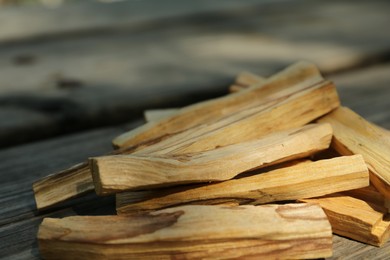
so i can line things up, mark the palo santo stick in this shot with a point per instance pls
(64, 185)
(353, 217)
(355, 135)
(244, 80)
(117, 173)
(293, 79)
(291, 111)
(303, 180)
(192, 232)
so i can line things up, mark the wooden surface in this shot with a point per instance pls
(59, 80)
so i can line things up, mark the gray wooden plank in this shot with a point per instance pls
(64, 84)
(344, 248)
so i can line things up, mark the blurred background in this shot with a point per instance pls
(72, 65)
(76, 73)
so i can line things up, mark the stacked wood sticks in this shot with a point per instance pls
(203, 180)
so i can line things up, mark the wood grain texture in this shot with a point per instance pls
(355, 135)
(356, 217)
(66, 184)
(192, 232)
(296, 77)
(112, 174)
(304, 180)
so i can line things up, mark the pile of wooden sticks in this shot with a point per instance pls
(200, 181)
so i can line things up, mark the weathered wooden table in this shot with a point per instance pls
(84, 80)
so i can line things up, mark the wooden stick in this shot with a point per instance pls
(293, 79)
(189, 232)
(303, 180)
(113, 174)
(355, 135)
(244, 80)
(359, 218)
(293, 110)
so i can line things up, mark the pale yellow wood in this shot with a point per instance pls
(303, 180)
(295, 78)
(355, 135)
(293, 231)
(134, 172)
(356, 216)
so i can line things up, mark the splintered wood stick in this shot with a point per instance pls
(244, 80)
(303, 180)
(112, 174)
(355, 135)
(296, 110)
(359, 217)
(294, 231)
(295, 78)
